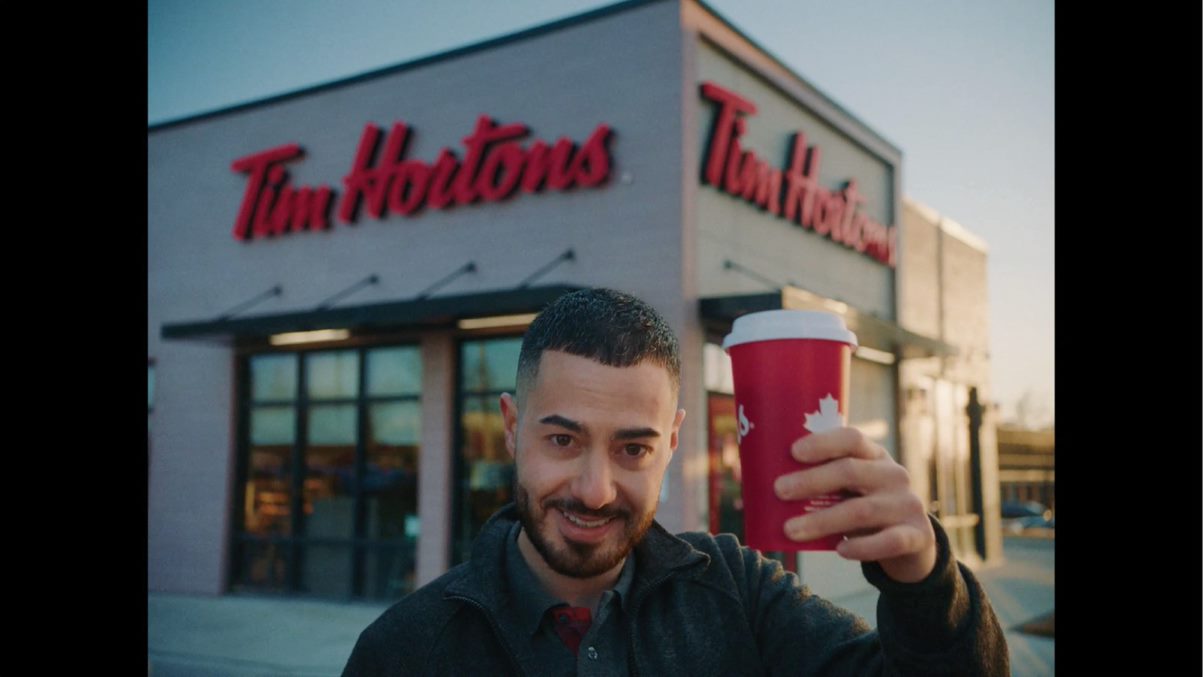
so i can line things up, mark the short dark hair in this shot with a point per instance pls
(604, 325)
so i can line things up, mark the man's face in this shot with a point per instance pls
(591, 444)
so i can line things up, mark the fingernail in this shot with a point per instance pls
(842, 548)
(796, 528)
(780, 487)
(801, 447)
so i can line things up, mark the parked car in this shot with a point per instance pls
(1010, 510)
(1029, 523)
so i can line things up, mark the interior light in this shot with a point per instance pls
(293, 337)
(496, 321)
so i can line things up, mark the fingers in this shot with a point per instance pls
(853, 474)
(894, 542)
(876, 512)
(820, 447)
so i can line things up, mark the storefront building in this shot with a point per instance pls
(339, 279)
(1026, 466)
(948, 419)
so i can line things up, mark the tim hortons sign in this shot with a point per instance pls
(792, 193)
(494, 167)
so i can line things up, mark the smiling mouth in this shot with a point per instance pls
(588, 524)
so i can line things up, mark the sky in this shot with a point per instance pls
(965, 88)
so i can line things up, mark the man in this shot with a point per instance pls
(576, 577)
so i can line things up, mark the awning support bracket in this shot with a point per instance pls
(274, 291)
(370, 280)
(470, 267)
(729, 264)
(567, 255)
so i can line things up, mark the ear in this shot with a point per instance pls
(673, 438)
(509, 409)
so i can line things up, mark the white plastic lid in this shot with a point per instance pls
(771, 325)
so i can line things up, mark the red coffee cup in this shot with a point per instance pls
(790, 369)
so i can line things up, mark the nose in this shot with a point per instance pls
(594, 485)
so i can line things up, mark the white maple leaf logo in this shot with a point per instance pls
(827, 418)
(744, 425)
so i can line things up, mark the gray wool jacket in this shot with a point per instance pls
(700, 605)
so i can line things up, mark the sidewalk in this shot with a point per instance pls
(228, 636)
(1021, 590)
(231, 636)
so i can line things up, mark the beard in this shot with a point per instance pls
(571, 558)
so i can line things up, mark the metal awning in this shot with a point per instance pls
(719, 312)
(440, 311)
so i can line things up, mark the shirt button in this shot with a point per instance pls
(592, 653)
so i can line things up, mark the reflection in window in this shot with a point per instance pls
(485, 471)
(394, 371)
(329, 472)
(726, 503)
(326, 570)
(332, 375)
(725, 495)
(273, 377)
(273, 425)
(268, 495)
(317, 517)
(391, 473)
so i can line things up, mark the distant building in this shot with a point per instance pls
(1026, 465)
(943, 294)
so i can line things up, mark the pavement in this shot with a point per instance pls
(235, 636)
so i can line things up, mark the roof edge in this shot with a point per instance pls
(489, 43)
(947, 225)
(805, 82)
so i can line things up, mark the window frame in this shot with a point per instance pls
(360, 545)
(458, 548)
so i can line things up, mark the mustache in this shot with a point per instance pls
(578, 508)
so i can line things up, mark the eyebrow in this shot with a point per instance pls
(567, 423)
(636, 433)
(621, 434)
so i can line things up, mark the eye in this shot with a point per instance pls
(635, 450)
(562, 440)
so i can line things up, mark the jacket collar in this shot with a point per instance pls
(659, 556)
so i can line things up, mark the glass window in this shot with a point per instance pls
(394, 371)
(485, 472)
(489, 366)
(260, 565)
(267, 507)
(268, 491)
(273, 377)
(725, 492)
(726, 503)
(273, 425)
(329, 503)
(395, 423)
(330, 472)
(332, 375)
(391, 471)
(332, 424)
(326, 570)
(389, 572)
